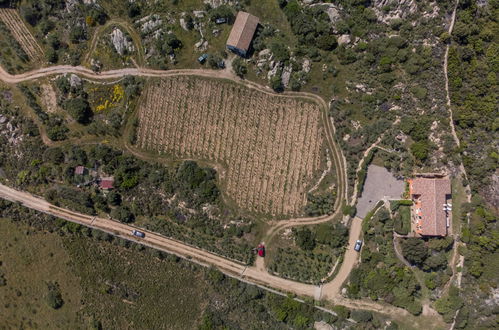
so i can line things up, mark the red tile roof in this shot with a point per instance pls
(107, 183)
(431, 193)
(79, 170)
(243, 30)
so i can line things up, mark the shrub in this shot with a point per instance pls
(54, 297)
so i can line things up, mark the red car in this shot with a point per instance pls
(261, 250)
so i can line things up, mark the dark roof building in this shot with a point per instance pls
(242, 33)
(430, 196)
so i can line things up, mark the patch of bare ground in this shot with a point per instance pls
(270, 145)
(49, 98)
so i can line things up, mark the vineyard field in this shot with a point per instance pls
(270, 146)
(11, 18)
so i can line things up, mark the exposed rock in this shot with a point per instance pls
(322, 326)
(215, 32)
(264, 53)
(74, 81)
(120, 42)
(398, 9)
(334, 14)
(199, 13)
(274, 68)
(89, 2)
(71, 5)
(183, 24)
(2, 119)
(306, 66)
(218, 3)
(149, 23)
(344, 39)
(201, 45)
(286, 75)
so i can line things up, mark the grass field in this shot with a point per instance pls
(270, 146)
(28, 261)
(97, 280)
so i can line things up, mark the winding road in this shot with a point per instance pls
(257, 274)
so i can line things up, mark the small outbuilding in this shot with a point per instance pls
(80, 170)
(242, 33)
(107, 183)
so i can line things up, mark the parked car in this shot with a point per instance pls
(358, 245)
(261, 250)
(202, 58)
(221, 20)
(138, 233)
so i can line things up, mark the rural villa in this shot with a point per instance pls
(431, 211)
(242, 33)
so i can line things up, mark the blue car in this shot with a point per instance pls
(358, 245)
(202, 58)
(138, 233)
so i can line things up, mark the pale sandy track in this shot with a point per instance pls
(255, 274)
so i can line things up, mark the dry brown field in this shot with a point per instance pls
(20, 31)
(270, 146)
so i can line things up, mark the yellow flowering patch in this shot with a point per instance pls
(116, 97)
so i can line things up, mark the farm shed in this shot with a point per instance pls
(242, 33)
(107, 183)
(80, 170)
(430, 212)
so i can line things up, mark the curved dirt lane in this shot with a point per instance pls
(256, 274)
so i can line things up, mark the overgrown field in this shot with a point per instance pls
(270, 146)
(100, 282)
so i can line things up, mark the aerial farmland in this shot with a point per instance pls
(269, 146)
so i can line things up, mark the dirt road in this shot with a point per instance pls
(331, 290)
(256, 274)
(234, 269)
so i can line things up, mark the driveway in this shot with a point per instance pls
(379, 184)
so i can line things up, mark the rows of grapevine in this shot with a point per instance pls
(20, 31)
(269, 145)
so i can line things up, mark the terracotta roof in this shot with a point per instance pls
(79, 170)
(107, 183)
(243, 30)
(432, 196)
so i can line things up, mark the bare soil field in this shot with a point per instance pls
(269, 145)
(20, 31)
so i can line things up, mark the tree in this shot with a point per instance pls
(123, 214)
(51, 55)
(76, 34)
(79, 109)
(280, 51)
(54, 297)
(305, 239)
(414, 250)
(133, 9)
(327, 42)
(420, 150)
(276, 82)
(53, 155)
(361, 316)
(114, 198)
(239, 67)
